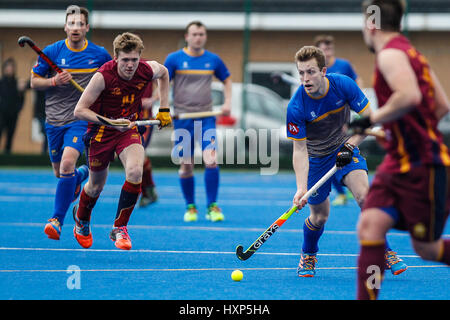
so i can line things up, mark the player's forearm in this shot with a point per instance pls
(82, 112)
(300, 163)
(163, 85)
(227, 92)
(38, 83)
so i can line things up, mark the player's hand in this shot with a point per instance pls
(125, 124)
(62, 78)
(297, 197)
(164, 117)
(345, 155)
(358, 126)
(226, 110)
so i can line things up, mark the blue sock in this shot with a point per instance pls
(187, 187)
(65, 190)
(82, 173)
(338, 185)
(311, 235)
(211, 184)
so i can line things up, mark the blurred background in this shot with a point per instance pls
(255, 38)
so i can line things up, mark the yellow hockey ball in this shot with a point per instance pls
(237, 275)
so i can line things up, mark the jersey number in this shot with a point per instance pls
(126, 101)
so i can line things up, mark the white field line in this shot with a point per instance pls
(200, 228)
(178, 252)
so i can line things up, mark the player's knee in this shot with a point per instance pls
(209, 158)
(67, 166)
(318, 219)
(427, 251)
(93, 190)
(134, 174)
(186, 170)
(368, 228)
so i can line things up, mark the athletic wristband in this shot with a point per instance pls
(53, 82)
(164, 109)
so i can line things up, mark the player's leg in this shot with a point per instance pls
(55, 137)
(187, 183)
(67, 182)
(358, 183)
(427, 232)
(433, 251)
(372, 227)
(70, 179)
(313, 228)
(184, 151)
(314, 225)
(65, 145)
(149, 194)
(132, 158)
(212, 174)
(83, 210)
(341, 197)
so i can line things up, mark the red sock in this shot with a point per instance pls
(128, 198)
(85, 206)
(444, 255)
(147, 177)
(371, 265)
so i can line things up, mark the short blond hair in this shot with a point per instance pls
(127, 42)
(307, 53)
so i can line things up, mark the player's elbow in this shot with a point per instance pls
(414, 98)
(78, 113)
(33, 83)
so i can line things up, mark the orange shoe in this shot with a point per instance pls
(82, 230)
(53, 229)
(121, 238)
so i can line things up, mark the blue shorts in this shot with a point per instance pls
(69, 135)
(188, 131)
(318, 167)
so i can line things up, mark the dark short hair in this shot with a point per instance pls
(323, 38)
(73, 9)
(391, 13)
(192, 23)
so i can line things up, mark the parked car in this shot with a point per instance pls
(264, 110)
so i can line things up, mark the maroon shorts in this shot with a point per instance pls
(419, 201)
(102, 147)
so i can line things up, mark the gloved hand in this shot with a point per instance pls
(344, 156)
(358, 126)
(164, 117)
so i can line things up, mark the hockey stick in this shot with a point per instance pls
(26, 40)
(194, 115)
(117, 123)
(375, 132)
(244, 255)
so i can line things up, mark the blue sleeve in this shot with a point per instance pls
(356, 99)
(295, 122)
(106, 56)
(170, 64)
(221, 72)
(42, 68)
(351, 72)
